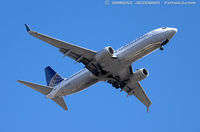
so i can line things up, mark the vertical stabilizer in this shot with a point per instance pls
(52, 77)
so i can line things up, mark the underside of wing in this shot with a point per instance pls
(137, 90)
(131, 87)
(75, 52)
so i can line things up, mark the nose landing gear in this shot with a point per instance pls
(161, 47)
(163, 43)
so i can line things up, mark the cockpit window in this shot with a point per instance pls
(164, 27)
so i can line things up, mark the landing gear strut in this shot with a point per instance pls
(117, 83)
(163, 43)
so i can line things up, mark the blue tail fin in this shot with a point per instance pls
(52, 77)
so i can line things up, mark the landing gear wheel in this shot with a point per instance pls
(116, 85)
(161, 48)
(163, 43)
(122, 85)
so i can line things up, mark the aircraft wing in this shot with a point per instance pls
(134, 88)
(77, 53)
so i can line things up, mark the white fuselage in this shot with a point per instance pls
(126, 55)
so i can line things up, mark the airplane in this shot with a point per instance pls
(109, 65)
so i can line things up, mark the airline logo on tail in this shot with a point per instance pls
(55, 80)
(52, 77)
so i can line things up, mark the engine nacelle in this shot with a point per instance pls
(104, 54)
(139, 75)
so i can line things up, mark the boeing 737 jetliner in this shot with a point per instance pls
(107, 65)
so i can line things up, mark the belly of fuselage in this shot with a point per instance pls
(138, 51)
(77, 84)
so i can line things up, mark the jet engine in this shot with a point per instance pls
(104, 54)
(139, 75)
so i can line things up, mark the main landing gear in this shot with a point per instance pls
(163, 43)
(117, 83)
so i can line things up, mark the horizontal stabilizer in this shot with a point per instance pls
(60, 101)
(45, 90)
(40, 88)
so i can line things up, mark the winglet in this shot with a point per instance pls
(148, 109)
(27, 28)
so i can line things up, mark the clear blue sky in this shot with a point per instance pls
(173, 84)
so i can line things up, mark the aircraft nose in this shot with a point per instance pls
(172, 32)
